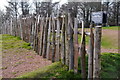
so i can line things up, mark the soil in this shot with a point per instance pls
(21, 61)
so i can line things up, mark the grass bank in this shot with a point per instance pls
(110, 63)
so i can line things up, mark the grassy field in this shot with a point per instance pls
(109, 37)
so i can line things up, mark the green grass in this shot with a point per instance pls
(11, 42)
(110, 63)
(112, 27)
(108, 41)
(55, 70)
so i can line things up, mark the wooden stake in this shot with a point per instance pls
(48, 39)
(76, 46)
(53, 40)
(58, 41)
(90, 54)
(70, 41)
(82, 53)
(97, 51)
(45, 38)
(63, 48)
(41, 37)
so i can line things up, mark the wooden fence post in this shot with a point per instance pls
(90, 54)
(53, 39)
(45, 38)
(49, 39)
(58, 40)
(63, 48)
(66, 41)
(97, 51)
(71, 45)
(75, 46)
(82, 53)
(41, 36)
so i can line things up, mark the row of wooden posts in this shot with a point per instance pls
(56, 38)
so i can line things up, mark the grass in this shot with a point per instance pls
(55, 70)
(9, 42)
(112, 27)
(108, 41)
(110, 63)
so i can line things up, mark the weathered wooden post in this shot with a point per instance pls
(90, 54)
(63, 48)
(58, 40)
(53, 39)
(45, 38)
(70, 41)
(48, 39)
(66, 41)
(82, 53)
(97, 51)
(75, 46)
(41, 36)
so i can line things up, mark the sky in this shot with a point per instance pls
(4, 3)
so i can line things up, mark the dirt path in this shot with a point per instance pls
(21, 61)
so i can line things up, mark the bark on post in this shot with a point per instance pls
(90, 54)
(70, 41)
(53, 40)
(41, 36)
(82, 53)
(49, 39)
(63, 48)
(66, 41)
(75, 46)
(45, 38)
(58, 40)
(97, 51)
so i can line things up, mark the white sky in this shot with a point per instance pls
(4, 3)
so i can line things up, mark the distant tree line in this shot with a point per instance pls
(80, 10)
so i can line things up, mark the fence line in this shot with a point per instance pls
(56, 38)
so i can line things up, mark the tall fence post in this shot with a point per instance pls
(71, 45)
(90, 54)
(63, 48)
(58, 40)
(45, 38)
(49, 39)
(53, 39)
(41, 36)
(97, 51)
(82, 53)
(75, 46)
(66, 41)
